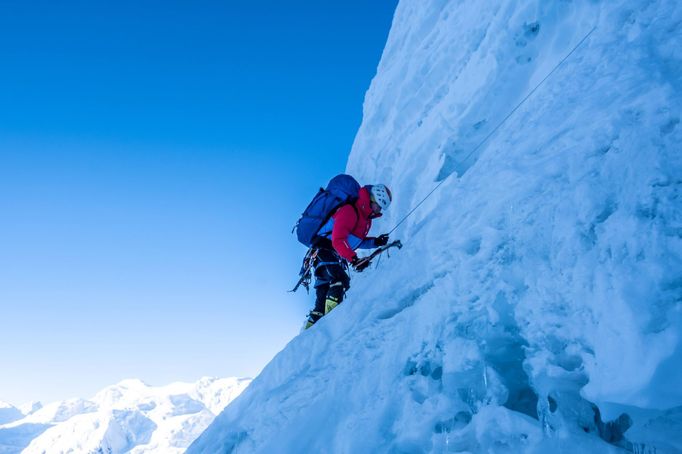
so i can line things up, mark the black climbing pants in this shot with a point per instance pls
(331, 278)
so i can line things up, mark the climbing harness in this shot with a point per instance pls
(499, 124)
(309, 262)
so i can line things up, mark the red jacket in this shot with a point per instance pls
(351, 226)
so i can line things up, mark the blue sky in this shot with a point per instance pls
(153, 158)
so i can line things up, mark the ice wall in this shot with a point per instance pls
(580, 187)
(537, 303)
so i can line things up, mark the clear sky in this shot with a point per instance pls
(153, 158)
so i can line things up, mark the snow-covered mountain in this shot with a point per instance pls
(537, 303)
(9, 413)
(129, 417)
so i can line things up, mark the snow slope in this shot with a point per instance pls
(129, 417)
(537, 304)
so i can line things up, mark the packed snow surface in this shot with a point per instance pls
(537, 303)
(130, 417)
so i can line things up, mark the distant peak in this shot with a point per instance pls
(31, 407)
(132, 383)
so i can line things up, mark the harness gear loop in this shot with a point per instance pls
(305, 272)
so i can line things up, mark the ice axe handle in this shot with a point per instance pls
(385, 248)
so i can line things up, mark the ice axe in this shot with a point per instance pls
(380, 250)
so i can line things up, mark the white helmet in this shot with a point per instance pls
(381, 195)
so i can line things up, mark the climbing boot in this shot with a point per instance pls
(330, 304)
(313, 317)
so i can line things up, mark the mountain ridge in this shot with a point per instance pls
(129, 416)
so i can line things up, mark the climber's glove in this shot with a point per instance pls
(381, 240)
(359, 264)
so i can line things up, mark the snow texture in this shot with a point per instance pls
(536, 306)
(130, 417)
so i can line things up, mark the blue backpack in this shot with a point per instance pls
(341, 190)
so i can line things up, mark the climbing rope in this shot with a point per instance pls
(498, 125)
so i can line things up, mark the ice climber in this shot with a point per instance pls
(335, 243)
